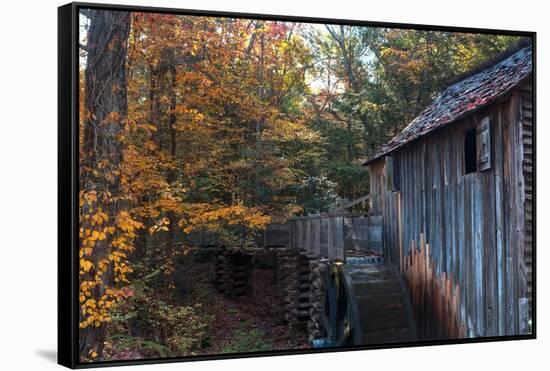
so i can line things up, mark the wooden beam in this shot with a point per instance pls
(351, 203)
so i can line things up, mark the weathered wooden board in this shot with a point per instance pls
(323, 243)
(338, 237)
(527, 137)
(365, 233)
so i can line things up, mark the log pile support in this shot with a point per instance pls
(295, 283)
(317, 325)
(233, 273)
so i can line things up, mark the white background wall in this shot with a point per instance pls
(28, 155)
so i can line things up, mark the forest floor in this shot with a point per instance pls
(247, 323)
(151, 326)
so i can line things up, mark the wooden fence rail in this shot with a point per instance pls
(328, 235)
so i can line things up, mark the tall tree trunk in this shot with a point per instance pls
(155, 75)
(350, 153)
(106, 104)
(172, 126)
(259, 123)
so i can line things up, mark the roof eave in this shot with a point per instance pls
(459, 118)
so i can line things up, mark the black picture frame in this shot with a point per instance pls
(68, 163)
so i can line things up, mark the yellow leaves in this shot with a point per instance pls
(101, 265)
(116, 256)
(91, 303)
(94, 311)
(258, 220)
(194, 49)
(130, 125)
(148, 128)
(86, 265)
(160, 225)
(89, 197)
(112, 176)
(201, 216)
(85, 251)
(113, 117)
(168, 202)
(96, 235)
(189, 116)
(150, 146)
(127, 224)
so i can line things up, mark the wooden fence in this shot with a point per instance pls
(328, 235)
(365, 233)
(321, 235)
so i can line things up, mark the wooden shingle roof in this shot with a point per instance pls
(464, 97)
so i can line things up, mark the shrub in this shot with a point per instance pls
(245, 341)
(146, 323)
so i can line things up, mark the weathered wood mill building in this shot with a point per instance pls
(455, 189)
(445, 248)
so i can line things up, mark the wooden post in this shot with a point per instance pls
(399, 221)
(330, 237)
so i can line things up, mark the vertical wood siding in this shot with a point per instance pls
(478, 225)
(376, 185)
(526, 90)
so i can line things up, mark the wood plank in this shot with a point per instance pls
(529, 129)
(308, 245)
(351, 204)
(323, 239)
(330, 238)
(439, 230)
(478, 248)
(525, 247)
(489, 235)
(400, 227)
(468, 259)
(317, 239)
(509, 219)
(499, 223)
(517, 185)
(460, 224)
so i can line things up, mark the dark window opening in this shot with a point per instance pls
(392, 174)
(470, 152)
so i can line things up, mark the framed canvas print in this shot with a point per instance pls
(235, 185)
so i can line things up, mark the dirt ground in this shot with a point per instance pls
(247, 323)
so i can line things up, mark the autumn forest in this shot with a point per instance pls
(196, 128)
